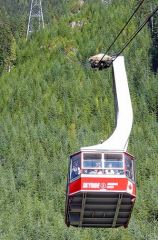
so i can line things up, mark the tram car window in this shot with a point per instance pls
(129, 167)
(92, 160)
(113, 163)
(75, 166)
(92, 163)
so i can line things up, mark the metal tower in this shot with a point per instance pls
(36, 21)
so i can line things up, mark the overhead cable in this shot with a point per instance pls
(139, 5)
(136, 32)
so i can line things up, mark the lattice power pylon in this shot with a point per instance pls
(36, 21)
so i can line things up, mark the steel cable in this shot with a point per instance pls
(139, 5)
(136, 32)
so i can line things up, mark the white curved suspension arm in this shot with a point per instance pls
(118, 141)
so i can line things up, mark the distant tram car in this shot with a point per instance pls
(101, 189)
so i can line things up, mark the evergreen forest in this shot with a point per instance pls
(52, 104)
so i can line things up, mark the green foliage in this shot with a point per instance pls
(7, 42)
(52, 104)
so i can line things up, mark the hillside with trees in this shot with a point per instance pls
(52, 103)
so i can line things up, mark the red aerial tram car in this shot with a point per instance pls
(101, 189)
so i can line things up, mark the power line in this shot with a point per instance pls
(139, 5)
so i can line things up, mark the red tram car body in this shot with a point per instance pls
(101, 189)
